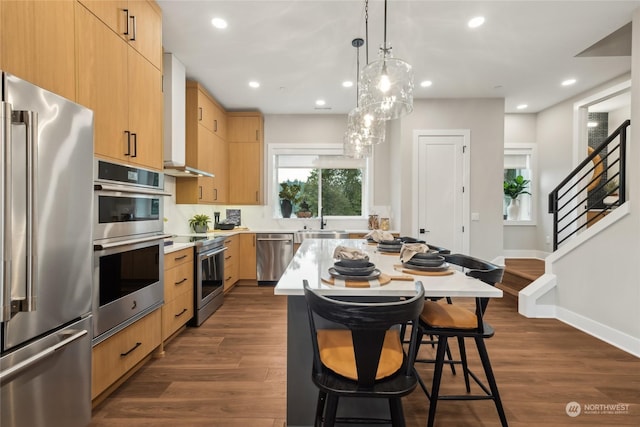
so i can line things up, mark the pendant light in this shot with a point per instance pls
(363, 128)
(387, 84)
(355, 149)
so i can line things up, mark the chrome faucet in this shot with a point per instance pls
(323, 223)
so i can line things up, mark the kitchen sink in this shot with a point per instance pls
(300, 235)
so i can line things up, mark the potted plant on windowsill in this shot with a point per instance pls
(289, 196)
(514, 187)
(199, 223)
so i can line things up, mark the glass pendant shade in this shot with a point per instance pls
(386, 87)
(354, 148)
(370, 129)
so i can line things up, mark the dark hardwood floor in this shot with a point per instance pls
(231, 372)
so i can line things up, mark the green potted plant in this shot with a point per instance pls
(289, 195)
(514, 187)
(199, 223)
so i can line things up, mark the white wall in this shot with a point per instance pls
(598, 282)
(485, 119)
(522, 129)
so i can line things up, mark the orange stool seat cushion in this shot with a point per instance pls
(337, 354)
(443, 315)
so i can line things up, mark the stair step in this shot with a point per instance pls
(519, 273)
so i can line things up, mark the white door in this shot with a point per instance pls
(442, 188)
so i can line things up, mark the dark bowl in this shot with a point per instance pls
(434, 262)
(225, 226)
(410, 240)
(394, 242)
(353, 263)
(354, 271)
(427, 255)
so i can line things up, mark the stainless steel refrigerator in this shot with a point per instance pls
(46, 161)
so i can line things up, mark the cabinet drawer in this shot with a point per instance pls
(176, 313)
(113, 357)
(183, 256)
(177, 281)
(230, 275)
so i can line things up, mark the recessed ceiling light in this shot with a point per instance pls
(522, 106)
(476, 22)
(219, 23)
(592, 124)
(254, 84)
(426, 83)
(320, 102)
(348, 83)
(568, 82)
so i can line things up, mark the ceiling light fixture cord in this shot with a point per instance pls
(366, 29)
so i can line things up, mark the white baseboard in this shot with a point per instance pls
(605, 333)
(525, 253)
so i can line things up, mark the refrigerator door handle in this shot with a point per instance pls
(30, 120)
(5, 212)
(7, 374)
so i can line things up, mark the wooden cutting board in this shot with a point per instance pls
(423, 273)
(382, 280)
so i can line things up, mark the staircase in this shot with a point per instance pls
(519, 273)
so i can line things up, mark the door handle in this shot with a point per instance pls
(8, 373)
(423, 231)
(135, 144)
(128, 152)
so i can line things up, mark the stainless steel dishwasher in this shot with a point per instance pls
(274, 251)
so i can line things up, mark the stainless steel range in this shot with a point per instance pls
(208, 274)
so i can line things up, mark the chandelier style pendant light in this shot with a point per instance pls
(363, 129)
(355, 149)
(387, 84)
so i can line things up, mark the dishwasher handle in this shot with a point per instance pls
(275, 239)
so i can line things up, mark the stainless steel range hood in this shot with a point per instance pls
(174, 90)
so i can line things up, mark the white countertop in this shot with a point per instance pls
(315, 256)
(176, 247)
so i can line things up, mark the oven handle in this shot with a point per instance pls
(211, 253)
(102, 246)
(124, 189)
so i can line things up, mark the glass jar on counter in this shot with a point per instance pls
(384, 224)
(373, 222)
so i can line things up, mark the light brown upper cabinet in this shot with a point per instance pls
(123, 89)
(193, 191)
(221, 170)
(138, 22)
(37, 43)
(205, 119)
(246, 156)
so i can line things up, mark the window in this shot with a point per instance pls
(326, 181)
(519, 161)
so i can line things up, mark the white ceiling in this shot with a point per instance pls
(300, 51)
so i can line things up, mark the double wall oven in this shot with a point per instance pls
(128, 262)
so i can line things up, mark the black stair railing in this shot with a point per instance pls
(596, 185)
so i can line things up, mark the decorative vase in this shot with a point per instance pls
(286, 207)
(513, 210)
(200, 228)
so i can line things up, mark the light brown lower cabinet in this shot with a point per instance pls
(178, 291)
(247, 268)
(115, 356)
(231, 261)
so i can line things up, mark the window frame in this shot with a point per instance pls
(314, 149)
(529, 149)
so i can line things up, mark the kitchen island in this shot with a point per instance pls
(311, 263)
